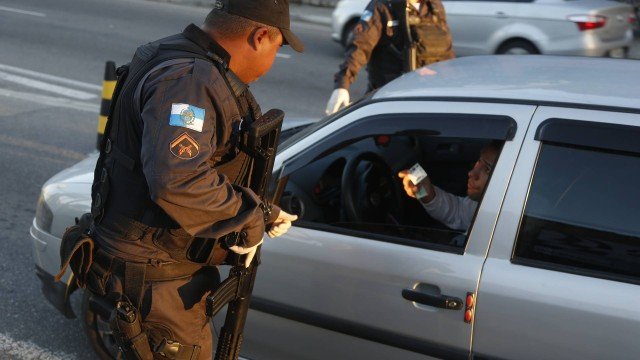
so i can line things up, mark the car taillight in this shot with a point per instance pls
(588, 22)
(632, 19)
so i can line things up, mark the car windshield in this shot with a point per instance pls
(324, 121)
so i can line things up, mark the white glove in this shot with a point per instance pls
(282, 224)
(279, 227)
(250, 252)
(339, 98)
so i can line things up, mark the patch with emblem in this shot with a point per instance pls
(184, 147)
(366, 15)
(187, 116)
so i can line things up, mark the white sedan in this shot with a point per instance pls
(550, 27)
(547, 268)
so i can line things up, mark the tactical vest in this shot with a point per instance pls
(119, 185)
(431, 36)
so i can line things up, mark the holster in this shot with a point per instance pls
(138, 341)
(126, 325)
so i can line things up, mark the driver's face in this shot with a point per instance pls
(479, 174)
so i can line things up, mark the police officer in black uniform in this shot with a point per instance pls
(384, 39)
(172, 175)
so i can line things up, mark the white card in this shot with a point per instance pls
(417, 174)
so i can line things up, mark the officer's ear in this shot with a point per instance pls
(258, 37)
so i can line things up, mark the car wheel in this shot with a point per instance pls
(518, 47)
(347, 33)
(98, 331)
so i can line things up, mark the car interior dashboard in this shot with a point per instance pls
(357, 186)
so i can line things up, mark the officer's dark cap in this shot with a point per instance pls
(268, 12)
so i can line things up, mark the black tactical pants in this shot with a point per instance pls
(174, 309)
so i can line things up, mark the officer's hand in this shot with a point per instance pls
(426, 195)
(339, 98)
(250, 252)
(282, 224)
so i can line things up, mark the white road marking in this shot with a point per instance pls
(42, 76)
(284, 56)
(24, 12)
(51, 100)
(33, 147)
(15, 349)
(76, 94)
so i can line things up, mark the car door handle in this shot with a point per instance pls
(440, 301)
(501, 15)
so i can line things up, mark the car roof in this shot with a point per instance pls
(535, 79)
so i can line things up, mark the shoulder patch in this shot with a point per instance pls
(184, 147)
(366, 15)
(187, 116)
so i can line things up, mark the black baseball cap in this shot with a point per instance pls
(268, 12)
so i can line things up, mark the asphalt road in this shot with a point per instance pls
(52, 56)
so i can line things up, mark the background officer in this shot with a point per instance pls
(388, 30)
(173, 174)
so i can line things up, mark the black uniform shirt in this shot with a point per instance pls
(188, 116)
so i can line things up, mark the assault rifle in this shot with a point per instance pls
(235, 291)
(411, 48)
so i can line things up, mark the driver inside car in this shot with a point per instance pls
(455, 212)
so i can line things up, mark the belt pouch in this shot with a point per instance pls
(76, 251)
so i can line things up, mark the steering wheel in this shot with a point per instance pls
(370, 190)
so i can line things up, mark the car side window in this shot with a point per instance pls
(356, 189)
(582, 210)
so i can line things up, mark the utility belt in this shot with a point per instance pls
(92, 269)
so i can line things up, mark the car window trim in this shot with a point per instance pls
(361, 331)
(368, 99)
(574, 270)
(327, 120)
(591, 134)
(489, 100)
(476, 126)
(379, 237)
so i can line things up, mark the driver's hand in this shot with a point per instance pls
(250, 252)
(282, 224)
(413, 190)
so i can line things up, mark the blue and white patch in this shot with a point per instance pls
(366, 15)
(187, 116)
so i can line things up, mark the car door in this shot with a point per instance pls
(476, 25)
(328, 293)
(563, 271)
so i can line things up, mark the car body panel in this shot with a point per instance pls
(512, 78)
(477, 28)
(369, 275)
(67, 195)
(346, 12)
(518, 304)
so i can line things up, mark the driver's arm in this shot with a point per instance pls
(455, 212)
